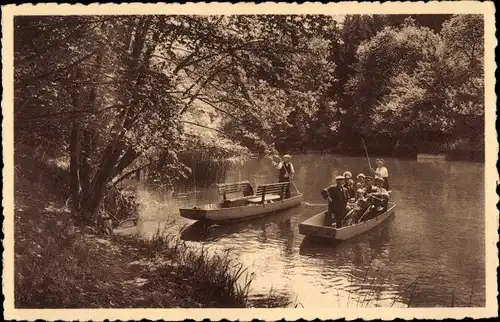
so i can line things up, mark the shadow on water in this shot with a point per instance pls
(206, 231)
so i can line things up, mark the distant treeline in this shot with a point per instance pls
(407, 85)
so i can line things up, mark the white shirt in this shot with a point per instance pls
(382, 172)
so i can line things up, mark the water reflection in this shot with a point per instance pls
(358, 250)
(431, 253)
(201, 231)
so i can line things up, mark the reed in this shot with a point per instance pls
(214, 278)
(78, 270)
(206, 168)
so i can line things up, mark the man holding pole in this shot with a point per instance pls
(286, 172)
(381, 171)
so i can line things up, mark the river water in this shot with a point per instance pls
(430, 254)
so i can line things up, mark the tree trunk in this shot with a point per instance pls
(75, 150)
(102, 177)
(89, 134)
(116, 156)
(75, 147)
(85, 166)
(126, 160)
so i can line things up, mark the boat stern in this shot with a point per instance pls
(315, 227)
(317, 231)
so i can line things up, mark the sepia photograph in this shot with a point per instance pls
(317, 159)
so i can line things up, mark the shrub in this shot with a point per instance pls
(121, 204)
(462, 149)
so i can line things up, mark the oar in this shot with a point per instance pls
(349, 214)
(369, 208)
(366, 212)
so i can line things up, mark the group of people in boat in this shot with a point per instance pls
(351, 202)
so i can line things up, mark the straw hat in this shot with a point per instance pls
(339, 178)
(347, 175)
(359, 176)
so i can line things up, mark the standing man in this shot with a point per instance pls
(286, 172)
(382, 172)
(337, 201)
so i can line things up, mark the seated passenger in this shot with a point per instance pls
(381, 193)
(377, 201)
(369, 188)
(361, 179)
(360, 191)
(349, 185)
(360, 186)
(358, 209)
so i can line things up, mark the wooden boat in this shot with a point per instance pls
(268, 198)
(315, 226)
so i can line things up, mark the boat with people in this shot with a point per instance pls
(315, 226)
(247, 204)
(351, 211)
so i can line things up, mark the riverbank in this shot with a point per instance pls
(453, 150)
(61, 265)
(466, 155)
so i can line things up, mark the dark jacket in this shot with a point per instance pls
(370, 189)
(339, 197)
(286, 169)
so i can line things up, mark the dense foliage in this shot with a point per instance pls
(116, 94)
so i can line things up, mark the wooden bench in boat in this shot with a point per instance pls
(270, 192)
(243, 187)
(227, 188)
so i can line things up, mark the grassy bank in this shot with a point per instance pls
(60, 265)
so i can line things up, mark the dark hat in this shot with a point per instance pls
(379, 179)
(368, 178)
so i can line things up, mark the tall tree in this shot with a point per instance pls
(382, 63)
